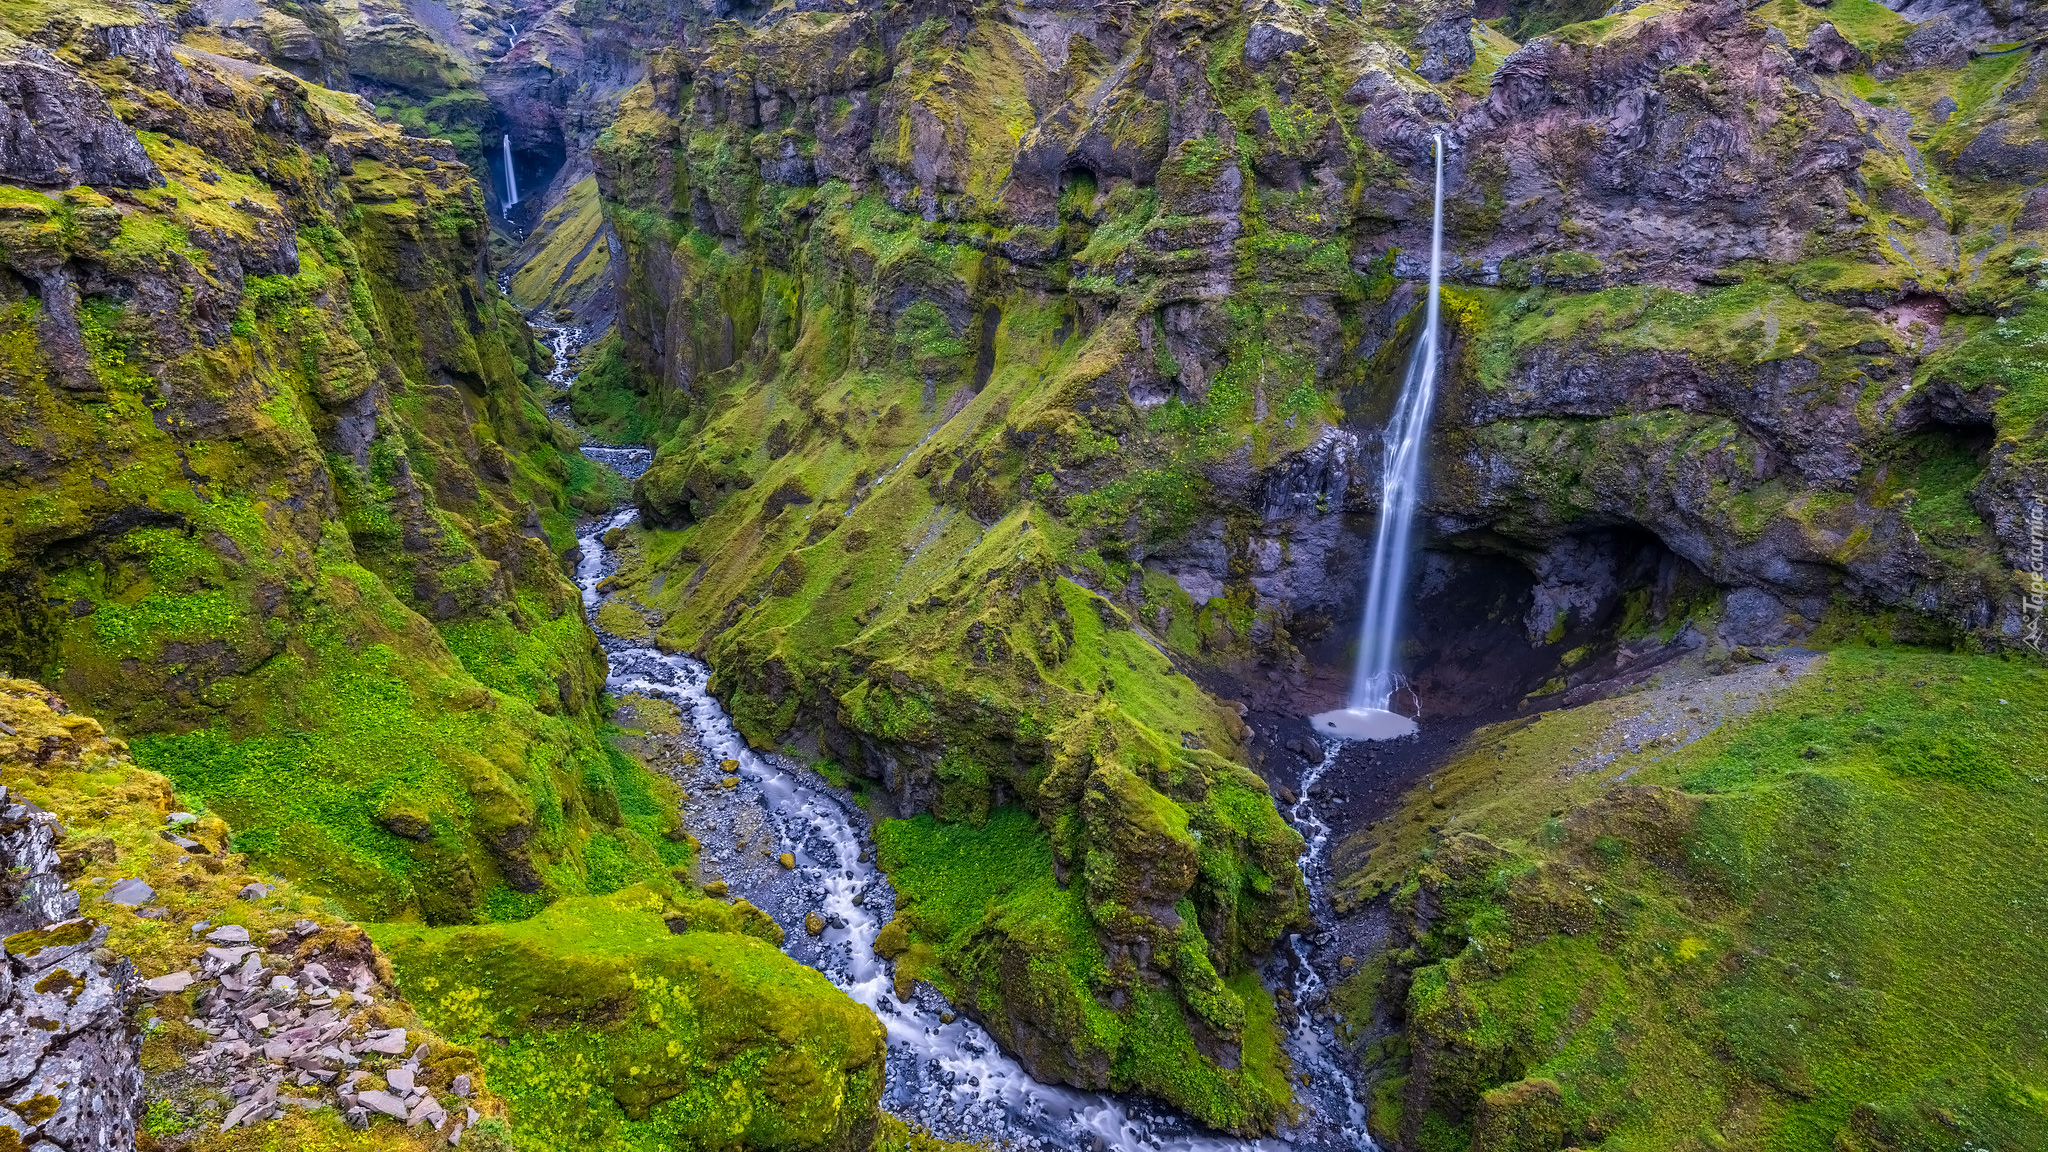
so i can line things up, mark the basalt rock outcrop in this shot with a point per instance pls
(71, 1077)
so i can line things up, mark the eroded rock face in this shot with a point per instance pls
(216, 307)
(56, 131)
(70, 1073)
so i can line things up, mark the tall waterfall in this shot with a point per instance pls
(1367, 715)
(511, 178)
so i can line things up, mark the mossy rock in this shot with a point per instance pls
(609, 1028)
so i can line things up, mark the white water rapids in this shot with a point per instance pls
(949, 1077)
(1368, 714)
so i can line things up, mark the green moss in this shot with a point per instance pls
(568, 260)
(1775, 936)
(1865, 23)
(2008, 353)
(644, 1020)
(964, 892)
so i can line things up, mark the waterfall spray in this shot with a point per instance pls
(1366, 715)
(511, 179)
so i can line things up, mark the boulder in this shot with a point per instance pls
(383, 1102)
(1268, 41)
(1827, 51)
(167, 984)
(129, 892)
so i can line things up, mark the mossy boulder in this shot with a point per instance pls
(645, 1019)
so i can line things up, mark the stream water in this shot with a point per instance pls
(944, 1071)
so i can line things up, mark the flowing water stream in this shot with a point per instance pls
(1368, 714)
(944, 1071)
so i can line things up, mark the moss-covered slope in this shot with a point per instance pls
(279, 504)
(652, 1019)
(1810, 929)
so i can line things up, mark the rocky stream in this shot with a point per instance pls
(945, 1072)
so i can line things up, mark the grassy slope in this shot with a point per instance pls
(572, 258)
(1817, 928)
(112, 812)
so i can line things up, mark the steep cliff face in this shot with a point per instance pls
(280, 500)
(1012, 362)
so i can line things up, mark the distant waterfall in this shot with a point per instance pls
(512, 178)
(1366, 714)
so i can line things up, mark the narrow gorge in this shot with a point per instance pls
(911, 575)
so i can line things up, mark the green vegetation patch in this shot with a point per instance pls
(650, 1019)
(1816, 928)
(966, 893)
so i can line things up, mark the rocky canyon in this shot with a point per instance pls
(796, 629)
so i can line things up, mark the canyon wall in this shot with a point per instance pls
(1014, 365)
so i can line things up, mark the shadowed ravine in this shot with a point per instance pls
(948, 1076)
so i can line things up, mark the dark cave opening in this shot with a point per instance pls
(1495, 629)
(534, 168)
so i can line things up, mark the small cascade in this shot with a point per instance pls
(565, 342)
(1368, 714)
(511, 177)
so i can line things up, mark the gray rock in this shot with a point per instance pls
(130, 892)
(224, 958)
(1755, 618)
(389, 1043)
(50, 945)
(255, 891)
(167, 984)
(63, 1022)
(1827, 51)
(57, 131)
(177, 818)
(1268, 41)
(1939, 43)
(383, 1102)
(356, 1117)
(1446, 44)
(461, 1086)
(427, 1110)
(229, 934)
(400, 1079)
